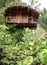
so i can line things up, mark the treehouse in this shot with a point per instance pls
(23, 16)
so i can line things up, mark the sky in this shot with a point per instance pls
(43, 3)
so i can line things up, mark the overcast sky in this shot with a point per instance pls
(43, 3)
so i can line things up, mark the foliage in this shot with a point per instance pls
(4, 3)
(43, 19)
(19, 47)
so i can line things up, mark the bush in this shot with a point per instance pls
(19, 47)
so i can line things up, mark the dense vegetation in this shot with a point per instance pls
(21, 46)
(43, 19)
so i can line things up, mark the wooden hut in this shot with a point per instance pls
(23, 16)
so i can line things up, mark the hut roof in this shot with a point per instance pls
(27, 8)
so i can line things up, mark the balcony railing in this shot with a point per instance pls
(10, 19)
